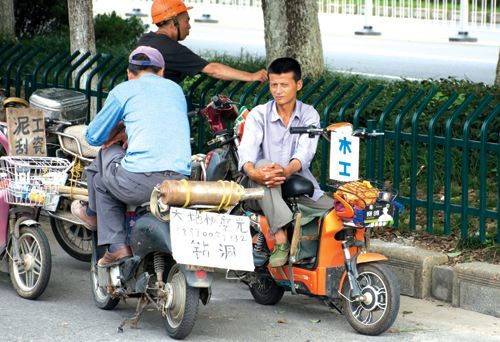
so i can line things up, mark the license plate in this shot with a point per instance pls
(379, 212)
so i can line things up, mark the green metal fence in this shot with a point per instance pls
(441, 152)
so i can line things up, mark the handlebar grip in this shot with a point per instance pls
(300, 130)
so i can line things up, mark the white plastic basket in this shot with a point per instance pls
(32, 181)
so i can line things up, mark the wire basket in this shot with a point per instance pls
(365, 204)
(33, 181)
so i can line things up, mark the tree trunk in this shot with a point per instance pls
(82, 37)
(292, 30)
(497, 78)
(7, 27)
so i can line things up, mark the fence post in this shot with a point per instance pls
(367, 28)
(463, 35)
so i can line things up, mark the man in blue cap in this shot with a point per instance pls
(148, 114)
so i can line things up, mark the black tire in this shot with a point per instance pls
(265, 291)
(32, 277)
(373, 318)
(101, 298)
(74, 239)
(181, 316)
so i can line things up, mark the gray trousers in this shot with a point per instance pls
(111, 188)
(274, 207)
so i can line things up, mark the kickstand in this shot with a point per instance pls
(334, 306)
(134, 320)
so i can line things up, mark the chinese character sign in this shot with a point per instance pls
(344, 157)
(26, 132)
(209, 239)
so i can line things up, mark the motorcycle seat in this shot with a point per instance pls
(74, 136)
(297, 186)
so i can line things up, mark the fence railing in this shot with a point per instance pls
(441, 152)
(482, 15)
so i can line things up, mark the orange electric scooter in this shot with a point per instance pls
(328, 257)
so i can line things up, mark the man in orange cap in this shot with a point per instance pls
(172, 19)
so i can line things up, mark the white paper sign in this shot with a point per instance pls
(344, 157)
(210, 239)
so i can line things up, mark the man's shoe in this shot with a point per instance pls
(279, 257)
(79, 210)
(110, 258)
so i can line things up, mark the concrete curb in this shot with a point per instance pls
(411, 265)
(472, 286)
(476, 287)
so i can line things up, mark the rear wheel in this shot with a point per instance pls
(30, 275)
(265, 291)
(101, 298)
(378, 311)
(75, 239)
(183, 308)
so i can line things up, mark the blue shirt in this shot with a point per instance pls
(267, 137)
(154, 111)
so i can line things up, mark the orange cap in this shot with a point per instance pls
(162, 10)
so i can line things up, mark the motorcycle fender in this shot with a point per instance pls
(363, 259)
(370, 257)
(150, 235)
(23, 221)
(193, 278)
(29, 223)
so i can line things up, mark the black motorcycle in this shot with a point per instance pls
(153, 276)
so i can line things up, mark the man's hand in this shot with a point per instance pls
(270, 175)
(117, 135)
(260, 76)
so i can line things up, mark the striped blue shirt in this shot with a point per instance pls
(267, 137)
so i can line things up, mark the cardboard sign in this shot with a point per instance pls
(26, 128)
(344, 157)
(212, 240)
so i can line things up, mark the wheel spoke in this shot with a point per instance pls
(382, 305)
(23, 247)
(358, 313)
(37, 266)
(35, 249)
(21, 270)
(368, 318)
(29, 279)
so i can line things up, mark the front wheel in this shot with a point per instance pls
(378, 311)
(30, 274)
(181, 313)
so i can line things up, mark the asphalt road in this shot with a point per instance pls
(65, 312)
(416, 49)
(392, 56)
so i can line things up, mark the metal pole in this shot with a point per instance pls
(463, 35)
(367, 28)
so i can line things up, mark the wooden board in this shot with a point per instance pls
(26, 132)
